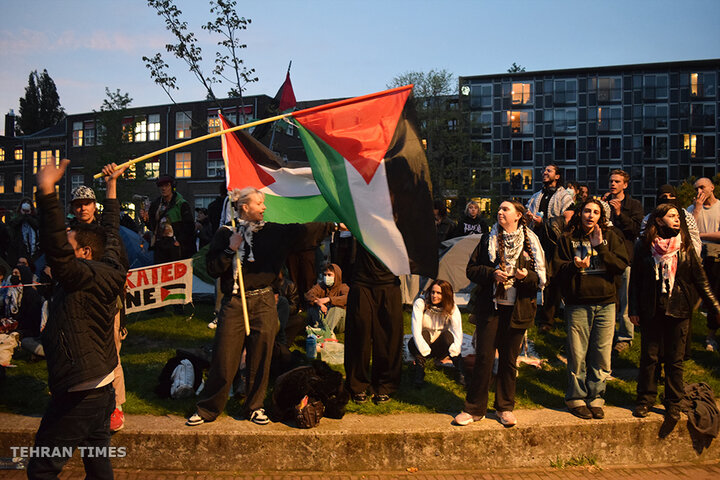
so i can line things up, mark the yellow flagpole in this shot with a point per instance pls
(199, 139)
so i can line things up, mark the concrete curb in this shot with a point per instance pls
(392, 442)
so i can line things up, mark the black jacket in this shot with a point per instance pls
(690, 280)
(482, 271)
(629, 221)
(78, 337)
(595, 285)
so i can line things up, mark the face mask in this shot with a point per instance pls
(666, 232)
(329, 280)
(14, 280)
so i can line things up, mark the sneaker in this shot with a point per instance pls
(621, 347)
(597, 413)
(507, 418)
(194, 420)
(381, 398)
(711, 344)
(117, 420)
(641, 411)
(463, 418)
(259, 417)
(581, 412)
(213, 325)
(359, 397)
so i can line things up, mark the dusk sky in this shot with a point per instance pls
(341, 48)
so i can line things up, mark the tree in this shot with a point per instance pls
(227, 24)
(40, 107)
(515, 68)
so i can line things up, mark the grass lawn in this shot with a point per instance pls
(154, 336)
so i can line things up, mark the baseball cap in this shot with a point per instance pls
(82, 193)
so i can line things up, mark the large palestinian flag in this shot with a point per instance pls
(291, 194)
(369, 164)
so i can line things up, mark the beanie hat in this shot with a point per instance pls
(82, 193)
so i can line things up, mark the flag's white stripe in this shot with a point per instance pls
(375, 218)
(291, 182)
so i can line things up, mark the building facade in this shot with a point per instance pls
(658, 122)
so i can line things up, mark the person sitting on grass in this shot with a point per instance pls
(436, 331)
(327, 300)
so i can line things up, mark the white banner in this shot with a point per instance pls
(159, 285)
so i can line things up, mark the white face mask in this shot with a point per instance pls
(329, 280)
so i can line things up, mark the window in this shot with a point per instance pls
(140, 128)
(608, 89)
(609, 119)
(655, 147)
(519, 122)
(520, 179)
(182, 165)
(183, 123)
(702, 115)
(152, 169)
(702, 85)
(690, 143)
(76, 181)
(154, 127)
(481, 122)
(699, 146)
(565, 91)
(610, 148)
(481, 96)
(565, 149)
(655, 117)
(127, 128)
(77, 134)
(17, 188)
(655, 87)
(213, 120)
(215, 164)
(520, 93)
(43, 158)
(522, 150)
(89, 133)
(2, 183)
(202, 201)
(2, 155)
(565, 120)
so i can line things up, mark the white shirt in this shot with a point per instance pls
(435, 323)
(708, 221)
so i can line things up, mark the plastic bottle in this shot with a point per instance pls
(311, 347)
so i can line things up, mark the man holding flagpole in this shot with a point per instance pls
(262, 248)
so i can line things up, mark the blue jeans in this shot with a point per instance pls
(625, 328)
(75, 419)
(590, 331)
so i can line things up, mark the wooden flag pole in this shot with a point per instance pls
(241, 282)
(199, 139)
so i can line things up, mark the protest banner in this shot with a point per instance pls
(159, 285)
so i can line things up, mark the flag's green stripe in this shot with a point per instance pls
(298, 209)
(175, 296)
(328, 168)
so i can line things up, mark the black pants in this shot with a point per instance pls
(494, 333)
(657, 333)
(373, 327)
(227, 351)
(76, 419)
(439, 349)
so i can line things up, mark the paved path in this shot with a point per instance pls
(656, 472)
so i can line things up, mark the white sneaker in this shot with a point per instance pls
(464, 418)
(259, 417)
(213, 325)
(194, 420)
(507, 418)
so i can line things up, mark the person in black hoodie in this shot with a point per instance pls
(78, 337)
(588, 259)
(472, 222)
(664, 284)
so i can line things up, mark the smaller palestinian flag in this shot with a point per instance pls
(283, 101)
(291, 195)
(369, 164)
(169, 292)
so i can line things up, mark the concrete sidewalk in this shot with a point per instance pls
(388, 443)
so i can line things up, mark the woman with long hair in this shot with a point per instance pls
(508, 266)
(665, 280)
(588, 259)
(436, 330)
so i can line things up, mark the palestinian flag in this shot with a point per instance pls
(291, 194)
(283, 101)
(369, 164)
(172, 292)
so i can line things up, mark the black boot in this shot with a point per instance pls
(418, 372)
(460, 368)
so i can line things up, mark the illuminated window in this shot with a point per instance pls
(44, 158)
(702, 85)
(690, 143)
(655, 117)
(519, 122)
(2, 155)
(152, 169)
(655, 147)
(481, 95)
(481, 122)
(2, 183)
(608, 118)
(564, 120)
(182, 165)
(565, 91)
(213, 121)
(520, 93)
(520, 179)
(215, 164)
(128, 125)
(655, 87)
(140, 129)
(608, 89)
(77, 134)
(183, 123)
(153, 127)
(17, 188)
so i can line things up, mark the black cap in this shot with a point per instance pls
(165, 179)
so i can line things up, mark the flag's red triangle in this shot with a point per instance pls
(243, 171)
(164, 292)
(360, 131)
